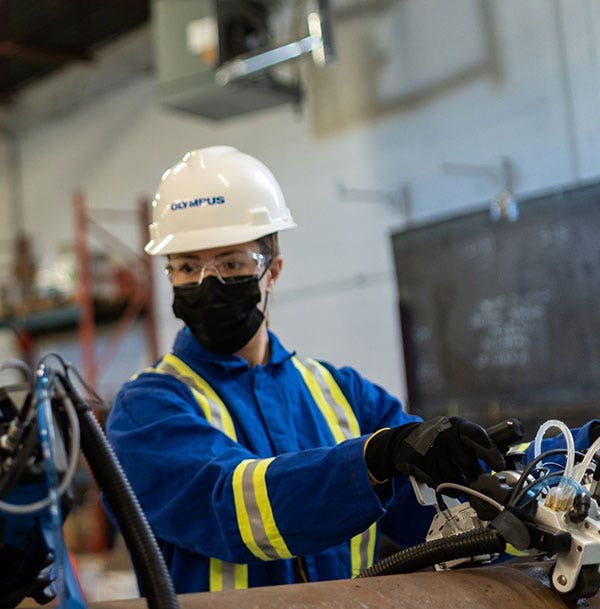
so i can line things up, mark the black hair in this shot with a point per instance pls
(269, 246)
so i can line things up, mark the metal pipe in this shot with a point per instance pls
(567, 92)
(243, 66)
(150, 317)
(14, 171)
(522, 586)
(84, 291)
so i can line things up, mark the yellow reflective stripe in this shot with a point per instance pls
(215, 575)
(204, 387)
(208, 400)
(317, 394)
(371, 543)
(227, 576)
(243, 519)
(253, 511)
(362, 550)
(132, 378)
(346, 416)
(240, 576)
(201, 399)
(518, 448)
(355, 555)
(266, 513)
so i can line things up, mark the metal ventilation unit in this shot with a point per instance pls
(217, 58)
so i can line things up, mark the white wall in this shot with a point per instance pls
(5, 197)
(538, 104)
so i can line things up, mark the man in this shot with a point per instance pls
(254, 465)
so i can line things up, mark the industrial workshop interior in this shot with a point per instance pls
(297, 293)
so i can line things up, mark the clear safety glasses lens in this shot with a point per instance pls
(228, 267)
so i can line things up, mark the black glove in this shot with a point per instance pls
(435, 451)
(594, 432)
(25, 574)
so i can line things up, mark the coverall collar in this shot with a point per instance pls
(187, 343)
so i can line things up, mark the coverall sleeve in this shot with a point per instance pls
(208, 494)
(404, 521)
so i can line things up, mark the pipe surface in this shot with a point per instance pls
(521, 586)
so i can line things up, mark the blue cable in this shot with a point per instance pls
(69, 594)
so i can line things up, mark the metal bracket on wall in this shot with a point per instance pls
(319, 43)
(401, 198)
(504, 206)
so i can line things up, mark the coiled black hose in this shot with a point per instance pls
(471, 543)
(146, 556)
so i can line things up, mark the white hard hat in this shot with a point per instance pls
(214, 197)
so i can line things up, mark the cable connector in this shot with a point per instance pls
(560, 498)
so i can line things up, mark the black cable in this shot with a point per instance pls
(28, 446)
(440, 501)
(527, 471)
(472, 543)
(63, 363)
(596, 461)
(552, 478)
(21, 436)
(96, 400)
(148, 561)
(16, 364)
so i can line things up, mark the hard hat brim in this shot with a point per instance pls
(195, 240)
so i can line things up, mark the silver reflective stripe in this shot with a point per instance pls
(254, 516)
(365, 558)
(228, 575)
(340, 413)
(215, 410)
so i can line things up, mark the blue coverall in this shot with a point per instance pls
(280, 502)
(182, 468)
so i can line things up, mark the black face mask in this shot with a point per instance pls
(223, 317)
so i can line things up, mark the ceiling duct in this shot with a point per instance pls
(220, 58)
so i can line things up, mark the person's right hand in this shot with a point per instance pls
(41, 590)
(435, 451)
